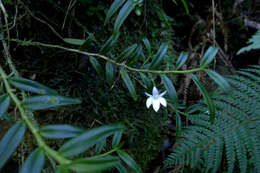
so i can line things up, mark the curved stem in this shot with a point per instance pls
(60, 159)
(29, 43)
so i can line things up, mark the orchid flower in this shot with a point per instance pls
(156, 99)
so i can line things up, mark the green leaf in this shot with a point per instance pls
(87, 42)
(9, 2)
(113, 8)
(107, 47)
(158, 57)
(147, 45)
(110, 73)
(174, 1)
(129, 161)
(181, 60)
(94, 62)
(100, 145)
(31, 86)
(4, 104)
(185, 6)
(121, 168)
(45, 102)
(124, 12)
(254, 43)
(135, 56)
(61, 131)
(178, 125)
(74, 41)
(89, 138)
(34, 162)
(206, 97)
(117, 138)
(94, 164)
(170, 90)
(62, 169)
(128, 52)
(223, 84)
(10, 141)
(146, 81)
(208, 56)
(7, 117)
(128, 83)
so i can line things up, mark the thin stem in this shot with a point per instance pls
(178, 111)
(60, 159)
(6, 21)
(29, 43)
(109, 152)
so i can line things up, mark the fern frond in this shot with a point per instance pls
(254, 43)
(235, 133)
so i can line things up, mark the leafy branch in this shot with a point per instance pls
(30, 43)
(31, 126)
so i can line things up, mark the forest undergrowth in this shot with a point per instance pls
(157, 86)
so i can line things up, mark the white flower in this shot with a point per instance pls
(156, 99)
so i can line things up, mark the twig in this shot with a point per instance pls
(71, 4)
(42, 21)
(29, 43)
(6, 22)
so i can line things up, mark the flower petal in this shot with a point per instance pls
(162, 94)
(149, 95)
(163, 101)
(155, 92)
(156, 105)
(149, 102)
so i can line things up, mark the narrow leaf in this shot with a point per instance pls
(178, 125)
(7, 117)
(94, 62)
(185, 6)
(117, 138)
(31, 86)
(206, 96)
(74, 41)
(113, 8)
(136, 55)
(4, 104)
(170, 90)
(209, 56)
(100, 145)
(45, 102)
(121, 168)
(107, 47)
(60, 131)
(124, 12)
(129, 161)
(223, 84)
(128, 83)
(147, 45)
(181, 60)
(94, 164)
(10, 141)
(87, 42)
(110, 73)
(89, 138)
(128, 52)
(146, 81)
(62, 169)
(158, 57)
(34, 162)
